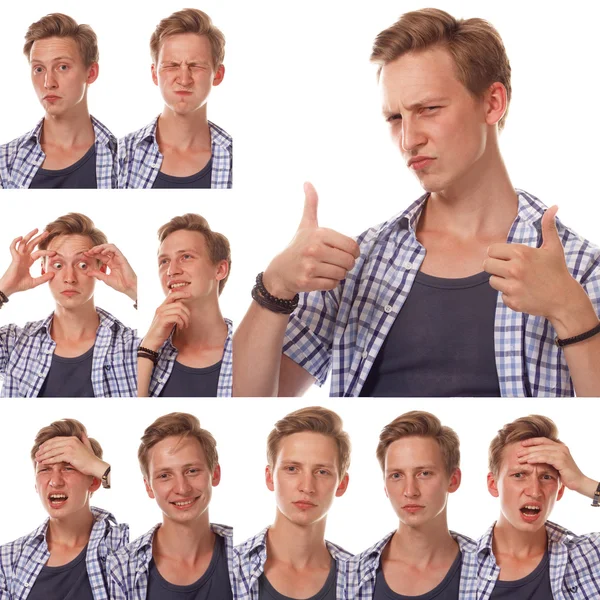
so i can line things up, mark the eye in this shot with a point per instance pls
(57, 265)
(518, 475)
(323, 472)
(431, 108)
(193, 471)
(291, 469)
(186, 256)
(82, 265)
(63, 67)
(162, 261)
(426, 473)
(38, 70)
(163, 476)
(68, 468)
(391, 118)
(395, 476)
(548, 477)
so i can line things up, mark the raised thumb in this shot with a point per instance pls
(550, 236)
(311, 202)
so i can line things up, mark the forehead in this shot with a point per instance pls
(70, 244)
(308, 447)
(50, 48)
(174, 451)
(185, 47)
(509, 460)
(414, 451)
(183, 240)
(417, 76)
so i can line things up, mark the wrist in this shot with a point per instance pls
(586, 487)
(151, 344)
(275, 286)
(131, 289)
(575, 317)
(6, 288)
(100, 468)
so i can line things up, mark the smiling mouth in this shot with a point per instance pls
(174, 286)
(182, 504)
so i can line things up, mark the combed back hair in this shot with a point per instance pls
(315, 419)
(73, 224)
(474, 44)
(189, 20)
(216, 243)
(423, 424)
(522, 429)
(59, 25)
(181, 425)
(64, 428)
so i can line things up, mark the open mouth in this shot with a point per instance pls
(174, 286)
(183, 504)
(57, 500)
(530, 510)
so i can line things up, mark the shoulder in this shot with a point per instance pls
(131, 140)
(11, 552)
(110, 322)
(371, 557)
(587, 544)
(252, 544)
(135, 553)
(104, 134)
(219, 136)
(114, 535)
(338, 553)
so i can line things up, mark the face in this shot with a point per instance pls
(59, 76)
(441, 129)
(305, 477)
(71, 287)
(180, 480)
(185, 73)
(63, 490)
(184, 264)
(527, 492)
(416, 480)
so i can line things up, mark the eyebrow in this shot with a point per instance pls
(34, 59)
(318, 465)
(163, 255)
(417, 105)
(421, 468)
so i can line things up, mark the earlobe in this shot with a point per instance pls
(154, 76)
(343, 486)
(95, 485)
(222, 270)
(497, 103)
(216, 478)
(269, 479)
(219, 75)
(492, 485)
(561, 492)
(93, 73)
(455, 480)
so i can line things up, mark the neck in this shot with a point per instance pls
(73, 531)
(184, 541)
(74, 324)
(482, 204)
(206, 328)
(183, 131)
(424, 544)
(298, 545)
(74, 128)
(509, 540)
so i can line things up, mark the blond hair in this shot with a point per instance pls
(474, 44)
(315, 419)
(522, 429)
(64, 428)
(189, 20)
(216, 243)
(423, 424)
(181, 425)
(73, 224)
(60, 25)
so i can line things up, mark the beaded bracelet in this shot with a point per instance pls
(3, 299)
(283, 306)
(578, 338)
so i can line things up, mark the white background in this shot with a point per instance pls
(356, 520)
(301, 100)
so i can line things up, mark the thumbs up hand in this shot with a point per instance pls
(316, 259)
(534, 280)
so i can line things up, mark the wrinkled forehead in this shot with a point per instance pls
(54, 48)
(509, 461)
(185, 47)
(71, 245)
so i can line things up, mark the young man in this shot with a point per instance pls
(186, 556)
(181, 148)
(64, 557)
(68, 148)
(187, 350)
(79, 350)
(410, 308)
(524, 555)
(308, 456)
(420, 461)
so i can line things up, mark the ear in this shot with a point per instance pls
(561, 492)
(343, 486)
(219, 75)
(495, 103)
(269, 478)
(149, 490)
(93, 72)
(216, 476)
(222, 270)
(455, 480)
(96, 483)
(492, 485)
(154, 74)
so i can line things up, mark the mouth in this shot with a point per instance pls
(412, 508)
(183, 93)
(50, 98)
(304, 504)
(57, 500)
(184, 504)
(531, 512)
(69, 293)
(178, 284)
(419, 162)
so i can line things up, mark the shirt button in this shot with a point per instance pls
(388, 309)
(107, 367)
(365, 354)
(40, 374)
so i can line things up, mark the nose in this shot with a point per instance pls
(50, 80)
(535, 489)
(411, 488)
(174, 268)
(185, 76)
(69, 274)
(183, 486)
(412, 136)
(306, 484)
(57, 479)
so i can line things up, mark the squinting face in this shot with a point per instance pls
(185, 73)
(184, 264)
(180, 480)
(438, 125)
(63, 490)
(71, 287)
(59, 76)
(416, 481)
(305, 477)
(527, 492)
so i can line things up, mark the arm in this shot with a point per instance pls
(316, 259)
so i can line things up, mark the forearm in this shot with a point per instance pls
(257, 345)
(145, 368)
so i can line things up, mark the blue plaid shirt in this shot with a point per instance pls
(249, 561)
(140, 158)
(128, 570)
(22, 560)
(168, 354)
(344, 329)
(574, 564)
(21, 158)
(362, 569)
(26, 357)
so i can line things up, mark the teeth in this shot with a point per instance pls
(177, 285)
(183, 503)
(58, 497)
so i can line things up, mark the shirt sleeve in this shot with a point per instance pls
(8, 336)
(116, 579)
